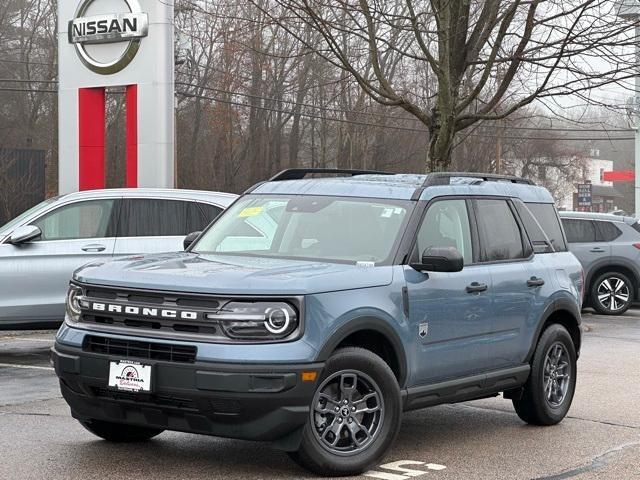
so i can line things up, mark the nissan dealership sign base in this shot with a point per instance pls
(116, 43)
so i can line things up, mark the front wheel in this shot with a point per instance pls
(612, 293)
(549, 390)
(118, 432)
(354, 416)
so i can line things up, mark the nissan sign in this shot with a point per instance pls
(128, 26)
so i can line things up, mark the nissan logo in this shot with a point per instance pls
(153, 312)
(128, 26)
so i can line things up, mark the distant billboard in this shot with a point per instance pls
(619, 176)
(585, 197)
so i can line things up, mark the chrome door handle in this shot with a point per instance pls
(476, 287)
(535, 282)
(94, 248)
(597, 250)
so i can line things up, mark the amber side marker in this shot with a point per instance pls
(309, 376)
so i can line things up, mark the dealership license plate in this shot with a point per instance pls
(130, 376)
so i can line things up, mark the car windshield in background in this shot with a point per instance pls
(8, 227)
(333, 229)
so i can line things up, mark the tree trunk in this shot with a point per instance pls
(441, 137)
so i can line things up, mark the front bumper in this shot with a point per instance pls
(252, 402)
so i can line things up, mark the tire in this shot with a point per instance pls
(538, 406)
(608, 283)
(365, 382)
(119, 432)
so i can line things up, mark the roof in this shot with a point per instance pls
(221, 198)
(401, 186)
(609, 217)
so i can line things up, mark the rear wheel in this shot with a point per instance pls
(119, 432)
(354, 416)
(548, 393)
(612, 293)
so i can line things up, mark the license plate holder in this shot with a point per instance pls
(128, 376)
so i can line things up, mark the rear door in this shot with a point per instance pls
(507, 252)
(150, 225)
(585, 242)
(38, 272)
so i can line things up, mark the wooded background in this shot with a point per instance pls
(257, 91)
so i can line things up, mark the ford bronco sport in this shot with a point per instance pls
(314, 311)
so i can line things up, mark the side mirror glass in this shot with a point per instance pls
(189, 239)
(440, 259)
(24, 234)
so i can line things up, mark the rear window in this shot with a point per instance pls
(547, 217)
(636, 227)
(607, 231)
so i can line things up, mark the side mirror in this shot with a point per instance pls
(189, 239)
(440, 259)
(24, 234)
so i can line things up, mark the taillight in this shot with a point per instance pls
(637, 245)
(582, 285)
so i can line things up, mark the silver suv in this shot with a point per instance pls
(608, 246)
(40, 249)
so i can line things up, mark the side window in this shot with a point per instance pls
(607, 231)
(500, 234)
(547, 217)
(579, 231)
(91, 219)
(158, 218)
(446, 224)
(539, 239)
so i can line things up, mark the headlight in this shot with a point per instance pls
(257, 320)
(74, 296)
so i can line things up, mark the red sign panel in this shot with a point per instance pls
(619, 176)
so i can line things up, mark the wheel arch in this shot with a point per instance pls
(564, 312)
(617, 267)
(375, 335)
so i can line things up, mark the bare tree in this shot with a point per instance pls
(465, 61)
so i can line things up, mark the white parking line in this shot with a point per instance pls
(26, 367)
(23, 339)
(404, 473)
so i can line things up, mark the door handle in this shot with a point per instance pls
(597, 250)
(535, 282)
(476, 287)
(93, 248)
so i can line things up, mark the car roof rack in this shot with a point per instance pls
(300, 173)
(444, 178)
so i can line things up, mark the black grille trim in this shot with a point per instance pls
(142, 350)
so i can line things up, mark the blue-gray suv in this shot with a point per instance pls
(314, 311)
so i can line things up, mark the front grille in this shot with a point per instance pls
(199, 304)
(143, 350)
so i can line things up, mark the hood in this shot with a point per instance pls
(231, 275)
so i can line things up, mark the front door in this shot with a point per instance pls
(449, 312)
(37, 273)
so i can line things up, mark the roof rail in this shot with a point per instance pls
(300, 173)
(444, 178)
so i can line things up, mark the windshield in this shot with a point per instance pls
(333, 229)
(8, 227)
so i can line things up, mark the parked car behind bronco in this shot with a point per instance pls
(315, 310)
(608, 246)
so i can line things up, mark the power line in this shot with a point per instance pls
(10, 80)
(393, 127)
(26, 62)
(393, 117)
(29, 90)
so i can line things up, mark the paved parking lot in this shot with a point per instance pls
(480, 439)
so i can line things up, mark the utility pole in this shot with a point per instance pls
(629, 10)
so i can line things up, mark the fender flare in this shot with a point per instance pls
(559, 304)
(368, 323)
